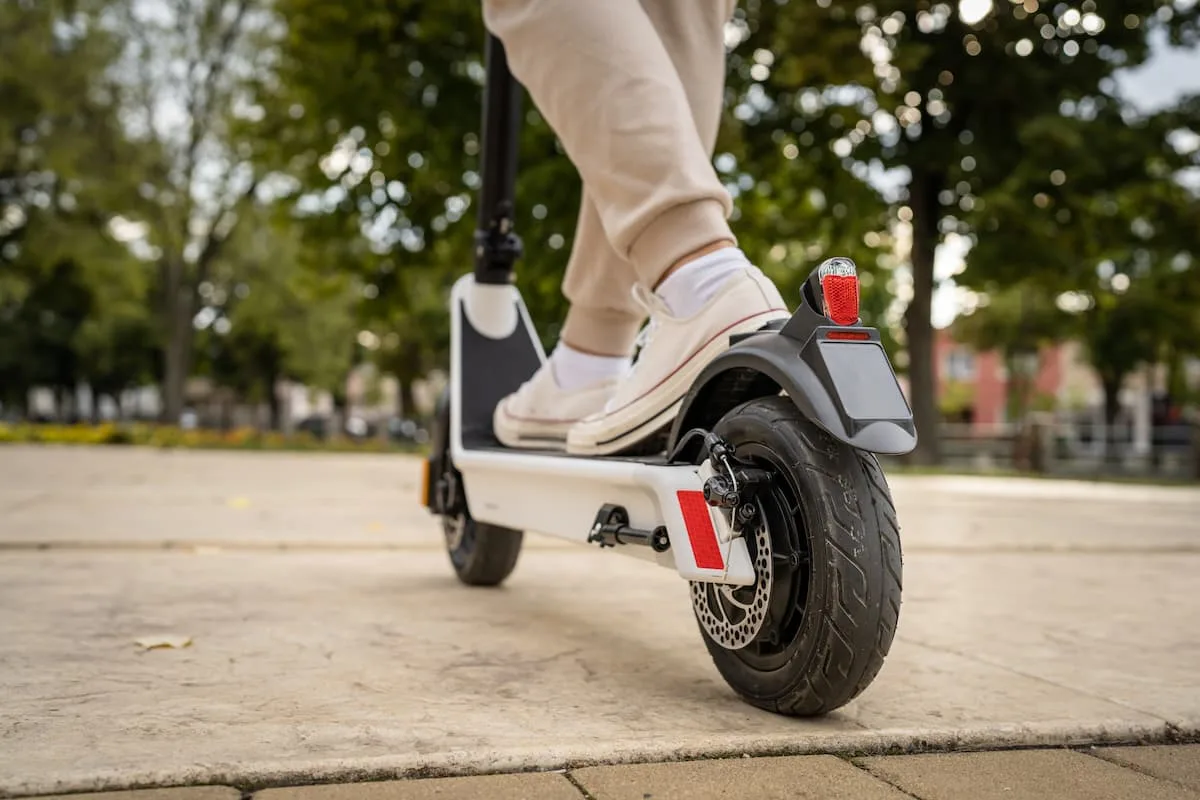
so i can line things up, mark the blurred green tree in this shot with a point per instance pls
(937, 101)
(269, 314)
(379, 117)
(1098, 221)
(193, 74)
(81, 315)
(64, 279)
(383, 136)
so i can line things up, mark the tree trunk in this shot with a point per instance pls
(1112, 407)
(65, 406)
(97, 399)
(274, 406)
(1011, 387)
(177, 354)
(340, 407)
(918, 322)
(405, 404)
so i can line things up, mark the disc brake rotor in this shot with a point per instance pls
(729, 621)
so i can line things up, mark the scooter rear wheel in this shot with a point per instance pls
(833, 574)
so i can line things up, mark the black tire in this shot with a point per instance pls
(481, 554)
(834, 606)
(485, 554)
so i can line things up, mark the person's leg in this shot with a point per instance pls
(603, 317)
(608, 79)
(603, 78)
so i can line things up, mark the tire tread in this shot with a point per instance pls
(854, 512)
(492, 557)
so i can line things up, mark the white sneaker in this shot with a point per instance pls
(539, 414)
(673, 353)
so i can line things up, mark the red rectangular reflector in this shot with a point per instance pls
(700, 530)
(857, 336)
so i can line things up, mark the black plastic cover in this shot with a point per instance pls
(845, 385)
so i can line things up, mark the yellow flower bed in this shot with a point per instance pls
(170, 436)
(64, 434)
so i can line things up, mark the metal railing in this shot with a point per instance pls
(1068, 449)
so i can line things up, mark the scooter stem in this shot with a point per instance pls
(497, 246)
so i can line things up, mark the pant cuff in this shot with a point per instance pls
(603, 331)
(674, 234)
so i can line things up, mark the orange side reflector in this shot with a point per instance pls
(425, 483)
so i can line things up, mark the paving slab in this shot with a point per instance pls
(538, 786)
(325, 648)
(1178, 763)
(784, 778)
(1020, 775)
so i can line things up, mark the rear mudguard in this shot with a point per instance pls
(838, 376)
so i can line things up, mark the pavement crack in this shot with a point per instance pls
(882, 779)
(27, 502)
(578, 786)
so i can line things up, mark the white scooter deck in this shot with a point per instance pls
(494, 348)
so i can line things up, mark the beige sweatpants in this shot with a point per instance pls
(634, 90)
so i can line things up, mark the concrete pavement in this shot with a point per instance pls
(330, 641)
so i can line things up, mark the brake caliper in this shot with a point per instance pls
(731, 485)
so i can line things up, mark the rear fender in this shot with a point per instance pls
(838, 376)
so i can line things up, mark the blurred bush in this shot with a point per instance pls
(166, 436)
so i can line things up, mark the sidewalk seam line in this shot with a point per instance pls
(1091, 751)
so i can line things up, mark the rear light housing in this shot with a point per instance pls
(837, 280)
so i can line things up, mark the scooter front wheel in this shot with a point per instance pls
(813, 631)
(481, 554)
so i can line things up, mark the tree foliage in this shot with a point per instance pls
(944, 98)
(294, 181)
(385, 133)
(271, 315)
(71, 296)
(1097, 220)
(193, 74)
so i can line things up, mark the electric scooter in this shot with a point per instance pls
(763, 493)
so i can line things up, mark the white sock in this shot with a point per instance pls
(575, 370)
(688, 288)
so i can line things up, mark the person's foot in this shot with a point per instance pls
(539, 414)
(674, 351)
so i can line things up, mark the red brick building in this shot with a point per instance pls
(980, 380)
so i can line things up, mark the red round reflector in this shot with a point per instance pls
(841, 298)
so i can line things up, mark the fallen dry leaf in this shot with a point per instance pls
(163, 642)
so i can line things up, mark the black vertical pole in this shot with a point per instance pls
(496, 245)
